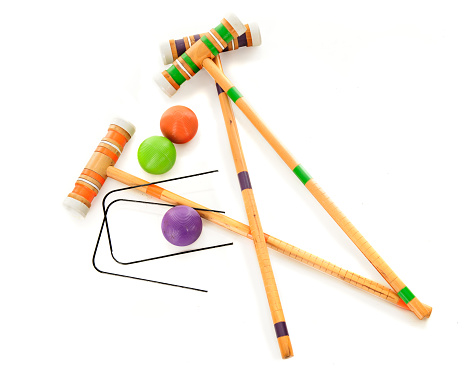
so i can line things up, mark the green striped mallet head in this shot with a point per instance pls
(190, 62)
(172, 49)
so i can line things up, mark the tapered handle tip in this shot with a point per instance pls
(419, 309)
(285, 346)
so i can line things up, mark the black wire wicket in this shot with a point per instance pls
(105, 226)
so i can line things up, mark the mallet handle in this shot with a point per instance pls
(255, 224)
(285, 248)
(403, 291)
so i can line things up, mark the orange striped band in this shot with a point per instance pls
(117, 137)
(94, 175)
(402, 304)
(154, 190)
(107, 152)
(84, 191)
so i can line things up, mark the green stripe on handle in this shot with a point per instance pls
(234, 94)
(210, 45)
(302, 174)
(189, 61)
(406, 295)
(224, 33)
(176, 75)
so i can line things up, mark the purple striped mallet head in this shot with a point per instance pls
(181, 225)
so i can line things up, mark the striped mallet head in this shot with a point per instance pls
(94, 175)
(208, 46)
(173, 49)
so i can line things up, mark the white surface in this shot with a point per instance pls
(76, 206)
(166, 52)
(255, 34)
(375, 116)
(126, 125)
(164, 84)
(236, 23)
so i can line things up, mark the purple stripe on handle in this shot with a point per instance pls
(242, 40)
(244, 180)
(196, 37)
(219, 89)
(180, 46)
(281, 329)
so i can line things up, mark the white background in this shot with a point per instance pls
(368, 96)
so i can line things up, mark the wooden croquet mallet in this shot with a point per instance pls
(211, 44)
(173, 49)
(274, 243)
(208, 46)
(80, 200)
(368, 251)
(255, 223)
(361, 243)
(94, 175)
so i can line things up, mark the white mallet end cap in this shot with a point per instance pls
(166, 52)
(164, 84)
(126, 125)
(255, 34)
(235, 23)
(76, 206)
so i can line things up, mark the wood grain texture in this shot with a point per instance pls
(274, 243)
(365, 247)
(106, 154)
(251, 114)
(254, 222)
(374, 258)
(190, 40)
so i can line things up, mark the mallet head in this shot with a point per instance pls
(94, 174)
(173, 49)
(190, 62)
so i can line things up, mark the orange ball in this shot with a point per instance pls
(179, 124)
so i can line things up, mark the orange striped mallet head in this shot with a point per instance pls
(94, 174)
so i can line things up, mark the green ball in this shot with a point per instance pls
(156, 155)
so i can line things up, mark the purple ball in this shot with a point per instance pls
(181, 225)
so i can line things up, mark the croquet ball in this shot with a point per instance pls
(156, 155)
(181, 225)
(179, 124)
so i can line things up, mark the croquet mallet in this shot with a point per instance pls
(170, 81)
(79, 201)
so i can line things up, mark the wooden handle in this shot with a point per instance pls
(251, 114)
(285, 248)
(256, 229)
(351, 278)
(368, 251)
(374, 258)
